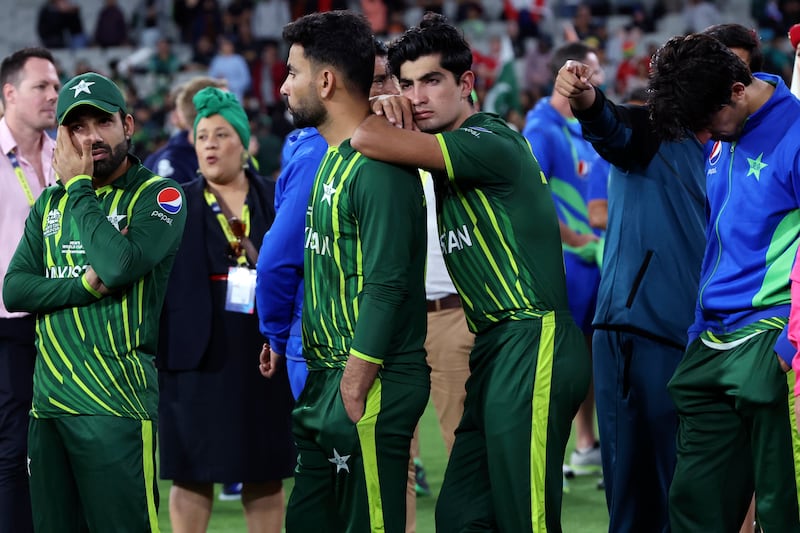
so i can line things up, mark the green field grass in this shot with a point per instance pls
(584, 509)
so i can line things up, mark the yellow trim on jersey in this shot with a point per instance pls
(539, 416)
(91, 290)
(149, 471)
(61, 406)
(107, 370)
(448, 163)
(335, 226)
(46, 356)
(365, 357)
(76, 179)
(369, 453)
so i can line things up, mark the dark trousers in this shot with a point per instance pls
(638, 424)
(17, 355)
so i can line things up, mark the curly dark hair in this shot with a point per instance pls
(738, 36)
(434, 35)
(341, 39)
(691, 80)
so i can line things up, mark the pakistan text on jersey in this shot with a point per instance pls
(455, 240)
(321, 246)
(65, 271)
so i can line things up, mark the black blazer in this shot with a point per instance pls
(185, 328)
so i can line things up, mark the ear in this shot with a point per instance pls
(327, 83)
(127, 126)
(9, 92)
(467, 83)
(737, 91)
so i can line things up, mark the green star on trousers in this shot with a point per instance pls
(756, 166)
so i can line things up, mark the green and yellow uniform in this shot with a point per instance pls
(365, 242)
(500, 239)
(95, 389)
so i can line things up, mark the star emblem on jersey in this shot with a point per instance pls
(756, 166)
(82, 87)
(328, 194)
(340, 461)
(115, 219)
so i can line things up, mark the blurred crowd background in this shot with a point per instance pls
(151, 46)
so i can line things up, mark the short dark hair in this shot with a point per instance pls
(434, 35)
(13, 64)
(576, 51)
(738, 36)
(691, 80)
(341, 39)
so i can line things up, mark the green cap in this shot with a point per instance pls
(89, 89)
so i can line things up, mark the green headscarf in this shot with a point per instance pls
(213, 101)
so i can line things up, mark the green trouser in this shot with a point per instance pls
(734, 435)
(527, 380)
(351, 478)
(93, 473)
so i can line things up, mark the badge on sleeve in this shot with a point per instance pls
(241, 294)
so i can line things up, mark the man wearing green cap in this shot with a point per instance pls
(93, 263)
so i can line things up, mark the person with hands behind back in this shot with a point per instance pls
(93, 264)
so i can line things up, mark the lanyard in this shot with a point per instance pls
(212, 202)
(26, 188)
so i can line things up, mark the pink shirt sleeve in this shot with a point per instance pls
(794, 322)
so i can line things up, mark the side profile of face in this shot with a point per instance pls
(437, 97)
(299, 88)
(219, 149)
(33, 98)
(109, 134)
(727, 123)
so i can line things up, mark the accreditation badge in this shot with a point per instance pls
(241, 294)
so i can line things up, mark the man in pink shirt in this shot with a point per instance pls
(30, 85)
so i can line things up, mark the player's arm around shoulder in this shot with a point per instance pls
(376, 138)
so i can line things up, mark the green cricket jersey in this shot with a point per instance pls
(498, 228)
(95, 354)
(365, 243)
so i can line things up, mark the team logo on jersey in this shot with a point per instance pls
(716, 151)
(114, 218)
(53, 223)
(169, 199)
(340, 461)
(327, 194)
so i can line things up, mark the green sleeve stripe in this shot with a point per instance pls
(780, 255)
(149, 471)
(365, 357)
(62, 406)
(540, 409)
(46, 354)
(77, 179)
(90, 290)
(369, 454)
(448, 163)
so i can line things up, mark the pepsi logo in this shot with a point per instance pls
(169, 199)
(716, 151)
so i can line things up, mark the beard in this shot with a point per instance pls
(310, 116)
(104, 168)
